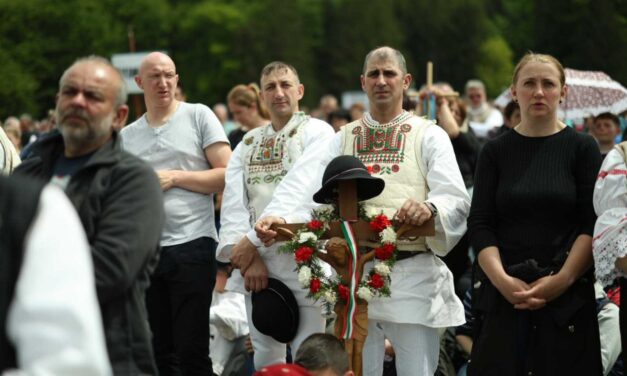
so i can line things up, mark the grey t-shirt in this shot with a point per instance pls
(179, 145)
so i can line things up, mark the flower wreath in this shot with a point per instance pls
(308, 265)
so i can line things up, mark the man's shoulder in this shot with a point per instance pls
(135, 126)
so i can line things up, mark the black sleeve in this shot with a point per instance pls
(129, 229)
(482, 218)
(587, 166)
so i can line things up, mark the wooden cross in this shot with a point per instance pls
(337, 256)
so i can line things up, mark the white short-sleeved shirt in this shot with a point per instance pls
(179, 144)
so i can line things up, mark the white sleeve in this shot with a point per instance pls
(54, 320)
(610, 231)
(234, 215)
(229, 315)
(293, 197)
(446, 190)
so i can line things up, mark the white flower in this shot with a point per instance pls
(364, 293)
(372, 212)
(324, 209)
(306, 236)
(383, 269)
(330, 297)
(388, 235)
(304, 276)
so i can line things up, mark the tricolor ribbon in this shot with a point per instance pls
(351, 305)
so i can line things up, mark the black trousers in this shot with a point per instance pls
(178, 303)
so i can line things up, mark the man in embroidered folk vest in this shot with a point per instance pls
(422, 180)
(260, 164)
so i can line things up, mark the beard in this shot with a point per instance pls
(79, 129)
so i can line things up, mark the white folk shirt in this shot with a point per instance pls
(610, 204)
(259, 165)
(422, 286)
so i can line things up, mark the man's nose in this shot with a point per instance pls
(78, 100)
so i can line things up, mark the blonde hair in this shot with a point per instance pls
(540, 58)
(246, 95)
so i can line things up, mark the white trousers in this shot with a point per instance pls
(268, 350)
(417, 348)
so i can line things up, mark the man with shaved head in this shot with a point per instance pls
(117, 197)
(422, 181)
(186, 145)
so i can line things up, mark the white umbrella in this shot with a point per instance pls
(589, 94)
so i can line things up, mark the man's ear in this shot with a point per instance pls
(121, 115)
(138, 81)
(362, 79)
(407, 81)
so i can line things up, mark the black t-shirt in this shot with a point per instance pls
(65, 168)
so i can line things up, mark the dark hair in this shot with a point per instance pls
(339, 114)
(508, 111)
(608, 116)
(321, 351)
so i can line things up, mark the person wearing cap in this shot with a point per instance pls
(259, 164)
(422, 181)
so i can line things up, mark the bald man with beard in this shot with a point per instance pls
(186, 146)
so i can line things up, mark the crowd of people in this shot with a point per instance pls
(150, 248)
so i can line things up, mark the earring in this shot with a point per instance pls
(515, 100)
(561, 101)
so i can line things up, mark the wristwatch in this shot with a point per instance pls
(432, 208)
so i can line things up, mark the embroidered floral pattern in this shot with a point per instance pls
(381, 147)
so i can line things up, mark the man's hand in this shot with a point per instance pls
(167, 179)
(256, 275)
(542, 291)
(242, 254)
(264, 233)
(413, 212)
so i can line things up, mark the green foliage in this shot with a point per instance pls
(495, 66)
(220, 43)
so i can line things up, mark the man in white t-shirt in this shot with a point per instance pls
(186, 145)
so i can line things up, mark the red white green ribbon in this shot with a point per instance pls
(351, 304)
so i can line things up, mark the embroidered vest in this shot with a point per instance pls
(268, 156)
(393, 152)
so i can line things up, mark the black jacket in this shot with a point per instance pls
(120, 203)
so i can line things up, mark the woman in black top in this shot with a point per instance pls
(531, 222)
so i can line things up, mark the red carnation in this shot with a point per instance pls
(380, 223)
(315, 225)
(314, 286)
(303, 254)
(343, 291)
(376, 281)
(370, 170)
(384, 252)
